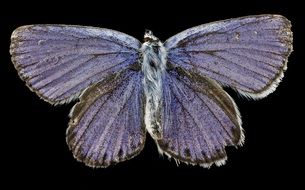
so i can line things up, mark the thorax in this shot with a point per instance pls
(154, 56)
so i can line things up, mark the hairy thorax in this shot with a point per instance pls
(153, 68)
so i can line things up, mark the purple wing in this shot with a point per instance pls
(106, 126)
(248, 54)
(199, 119)
(59, 61)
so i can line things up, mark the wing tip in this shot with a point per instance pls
(268, 89)
(281, 17)
(220, 161)
(53, 102)
(271, 87)
(18, 30)
(39, 94)
(95, 164)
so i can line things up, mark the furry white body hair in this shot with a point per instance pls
(153, 68)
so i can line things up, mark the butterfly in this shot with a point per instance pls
(172, 90)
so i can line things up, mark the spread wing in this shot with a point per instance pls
(199, 119)
(248, 54)
(106, 126)
(59, 61)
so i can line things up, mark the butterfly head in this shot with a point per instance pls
(149, 37)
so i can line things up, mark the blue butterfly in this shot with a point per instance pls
(172, 90)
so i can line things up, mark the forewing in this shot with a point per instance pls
(199, 119)
(106, 126)
(248, 54)
(59, 61)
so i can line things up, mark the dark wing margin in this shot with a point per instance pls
(248, 54)
(59, 61)
(106, 126)
(199, 119)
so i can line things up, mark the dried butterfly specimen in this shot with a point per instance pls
(172, 90)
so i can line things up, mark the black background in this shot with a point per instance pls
(33, 132)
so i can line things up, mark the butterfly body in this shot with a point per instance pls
(172, 90)
(153, 68)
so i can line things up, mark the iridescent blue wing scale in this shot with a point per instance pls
(59, 61)
(106, 126)
(199, 119)
(248, 54)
